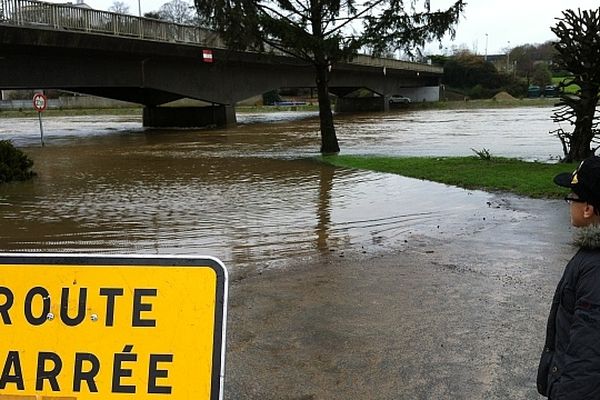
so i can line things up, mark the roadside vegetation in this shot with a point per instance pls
(482, 104)
(14, 164)
(468, 75)
(482, 172)
(472, 76)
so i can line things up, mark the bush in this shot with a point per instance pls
(480, 92)
(516, 89)
(14, 164)
(271, 97)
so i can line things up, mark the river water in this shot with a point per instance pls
(252, 195)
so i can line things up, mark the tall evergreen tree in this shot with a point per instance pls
(324, 32)
(578, 50)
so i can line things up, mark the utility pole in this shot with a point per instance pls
(508, 58)
(486, 44)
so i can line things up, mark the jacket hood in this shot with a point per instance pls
(588, 237)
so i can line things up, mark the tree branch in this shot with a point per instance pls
(357, 16)
(280, 15)
(302, 55)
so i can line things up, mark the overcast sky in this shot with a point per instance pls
(507, 21)
(515, 21)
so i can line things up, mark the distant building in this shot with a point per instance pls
(78, 3)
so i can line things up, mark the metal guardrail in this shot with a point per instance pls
(38, 14)
(70, 17)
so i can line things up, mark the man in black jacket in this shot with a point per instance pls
(570, 363)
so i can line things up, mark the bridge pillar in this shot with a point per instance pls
(360, 104)
(189, 117)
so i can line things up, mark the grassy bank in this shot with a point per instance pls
(498, 174)
(70, 112)
(483, 104)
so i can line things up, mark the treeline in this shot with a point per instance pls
(473, 76)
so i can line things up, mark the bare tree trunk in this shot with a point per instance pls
(329, 142)
(579, 150)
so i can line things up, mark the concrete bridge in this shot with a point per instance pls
(150, 62)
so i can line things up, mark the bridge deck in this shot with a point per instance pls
(61, 17)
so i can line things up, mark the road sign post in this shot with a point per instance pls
(75, 326)
(40, 102)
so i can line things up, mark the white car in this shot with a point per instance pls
(399, 99)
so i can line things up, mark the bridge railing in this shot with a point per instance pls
(391, 63)
(71, 17)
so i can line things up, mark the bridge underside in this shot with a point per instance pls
(156, 73)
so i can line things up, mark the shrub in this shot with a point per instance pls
(483, 154)
(269, 98)
(14, 164)
(479, 92)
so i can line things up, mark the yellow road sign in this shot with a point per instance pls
(80, 327)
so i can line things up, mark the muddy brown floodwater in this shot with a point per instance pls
(251, 195)
(345, 284)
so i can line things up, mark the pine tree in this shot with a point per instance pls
(325, 32)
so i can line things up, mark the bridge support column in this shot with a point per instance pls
(189, 117)
(360, 104)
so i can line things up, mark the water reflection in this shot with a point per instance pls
(326, 176)
(252, 196)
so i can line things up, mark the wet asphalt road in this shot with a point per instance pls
(460, 318)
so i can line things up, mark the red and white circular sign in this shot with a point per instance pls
(40, 102)
(207, 56)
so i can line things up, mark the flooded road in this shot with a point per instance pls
(253, 195)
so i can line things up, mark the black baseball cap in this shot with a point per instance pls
(584, 181)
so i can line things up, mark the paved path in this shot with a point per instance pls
(441, 319)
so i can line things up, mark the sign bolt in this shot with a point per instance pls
(50, 316)
(94, 317)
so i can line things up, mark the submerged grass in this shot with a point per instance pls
(531, 179)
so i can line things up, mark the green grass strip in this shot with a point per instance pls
(569, 89)
(531, 179)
